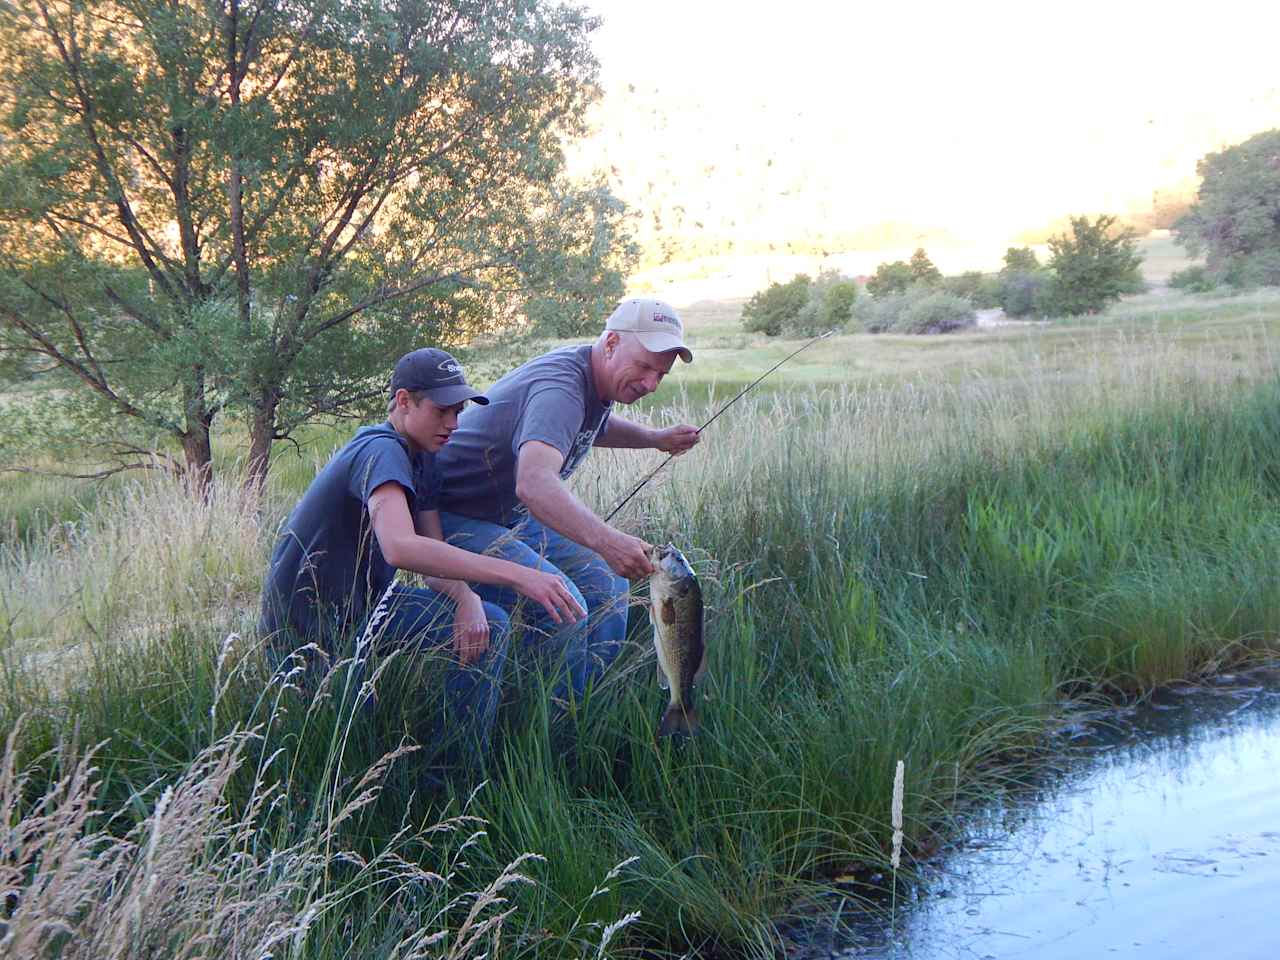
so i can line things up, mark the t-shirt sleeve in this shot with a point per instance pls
(553, 415)
(380, 461)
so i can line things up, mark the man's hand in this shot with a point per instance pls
(626, 555)
(678, 439)
(550, 591)
(470, 628)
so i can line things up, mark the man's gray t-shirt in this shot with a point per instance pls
(552, 398)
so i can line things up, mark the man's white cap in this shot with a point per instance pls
(654, 322)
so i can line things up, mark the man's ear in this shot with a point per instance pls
(611, 340)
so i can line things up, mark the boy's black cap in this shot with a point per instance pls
(436, 374)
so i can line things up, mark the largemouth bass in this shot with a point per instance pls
(675, 610)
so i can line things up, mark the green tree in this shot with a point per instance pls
(829, 305)
(771, 310)
(922, 268)
(1235, 220)
(251, 207)
(890, 279)
(1020, 260)
(1092, 266)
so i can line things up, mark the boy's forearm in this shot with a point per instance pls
(455, 590)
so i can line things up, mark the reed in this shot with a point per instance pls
(915, 573)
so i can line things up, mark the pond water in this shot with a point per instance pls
(1159, 836)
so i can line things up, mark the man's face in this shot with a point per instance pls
(428, 425)
(631, 371)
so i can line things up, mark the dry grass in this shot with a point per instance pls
(199, 875)
(186, 881)
(149, 557)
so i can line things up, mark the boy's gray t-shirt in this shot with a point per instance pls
(326, 570)
(551, 398)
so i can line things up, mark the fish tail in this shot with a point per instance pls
(679, 719)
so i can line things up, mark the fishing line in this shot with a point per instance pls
(671, 456)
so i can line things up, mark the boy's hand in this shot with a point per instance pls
(470, 628)
(550, 591)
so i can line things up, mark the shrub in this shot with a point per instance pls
(936, 312)
(1092, 266)
(830, 306)
(1194, 279)
(980, 289)
(1024, 293)
(890, 278)
(777, 306)
(1260, 269)
(919, 309)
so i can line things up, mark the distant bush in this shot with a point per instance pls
(1024, 293)
(937, 312)
(1194, 279)
(802, 307)
(919, 309)
(830, 306)
(1260, 269)
(980, 289)
(777, 306)
(1092, 266)
(890, 278)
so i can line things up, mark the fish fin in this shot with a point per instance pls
(679, 720)
(702, 668)
(663, 682)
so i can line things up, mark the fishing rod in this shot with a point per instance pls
(671, 456)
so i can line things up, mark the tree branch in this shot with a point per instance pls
(146, 248)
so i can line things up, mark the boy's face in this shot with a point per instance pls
(426, 424)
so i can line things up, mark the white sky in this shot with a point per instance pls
(983, 117)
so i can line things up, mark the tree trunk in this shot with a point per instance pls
(198, 455)
(262, 432)
(197, 447)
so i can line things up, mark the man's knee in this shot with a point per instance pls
(606, 592)
(499, 631)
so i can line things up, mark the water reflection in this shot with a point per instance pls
(1161, 838)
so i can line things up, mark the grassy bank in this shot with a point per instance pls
(919, 570)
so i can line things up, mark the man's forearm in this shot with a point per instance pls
(554, 504)
(627, 434)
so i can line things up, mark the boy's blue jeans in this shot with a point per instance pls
(586, 647)
(414, 619)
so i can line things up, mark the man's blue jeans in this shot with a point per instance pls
(588, 646)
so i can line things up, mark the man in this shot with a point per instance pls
(503, 474)
(372, 510)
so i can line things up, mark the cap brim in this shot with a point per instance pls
(455, 393)
(663, 342)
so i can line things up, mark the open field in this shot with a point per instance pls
(913, 549)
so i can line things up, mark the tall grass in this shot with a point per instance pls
(917, 573)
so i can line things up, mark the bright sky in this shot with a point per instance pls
(982, 118)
